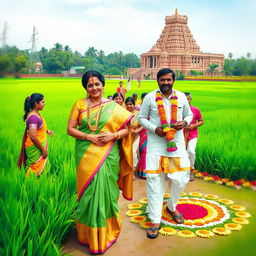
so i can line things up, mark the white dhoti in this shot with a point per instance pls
(191, 149)
(156, 188)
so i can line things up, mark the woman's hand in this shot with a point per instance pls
(105, 137)
(44, 153)
(135, 132)
(50, 133)
(94, 138)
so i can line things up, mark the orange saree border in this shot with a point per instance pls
(99, 239)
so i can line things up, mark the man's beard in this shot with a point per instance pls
(165, 88)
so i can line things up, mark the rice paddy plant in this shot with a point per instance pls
(37, 213)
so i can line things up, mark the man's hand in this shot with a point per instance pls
(159, 131)
(179, 125)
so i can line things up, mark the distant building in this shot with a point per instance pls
(177, 49)
(38, 67)
(74, 69)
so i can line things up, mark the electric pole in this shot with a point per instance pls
(33, 53)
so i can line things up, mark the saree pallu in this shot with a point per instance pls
(142, 153)
(31, 156)
(101, 172)
(135, 139)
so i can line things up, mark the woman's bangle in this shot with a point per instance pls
(117, 135)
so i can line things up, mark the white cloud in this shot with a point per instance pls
(100, 12)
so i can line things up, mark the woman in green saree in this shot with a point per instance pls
(103, 155)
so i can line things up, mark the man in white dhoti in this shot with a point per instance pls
(164, 113)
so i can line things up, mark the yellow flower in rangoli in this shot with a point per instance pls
(225, 201)
(204, 233)
(167, 231)
(131, 213)
(186, 234)
(134, 206)
(243, 214)
(211, 196)
(196, 194)
(237, 207)
(242, 221)
(137, 219)
(143, 200)
(221, 231)
(233, 226)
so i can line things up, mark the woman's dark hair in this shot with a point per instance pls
(88, 74)
(165, 71)
(30, 103)
(118, 94)
(130, 99)
(143, 95)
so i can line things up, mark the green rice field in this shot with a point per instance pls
(226, 147)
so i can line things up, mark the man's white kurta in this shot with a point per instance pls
(150, 119)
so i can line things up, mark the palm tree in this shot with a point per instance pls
(58, 47)
(91, 52)
(67, 49)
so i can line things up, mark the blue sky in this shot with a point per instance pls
(129, 25)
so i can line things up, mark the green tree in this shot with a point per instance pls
(20, 63)
(91, 52)
(67, 49)
(228, 67)
(53, 65)
(58, 47)
(248, 55)
(4, 64)
(193, 72)
(212, 67)
(230, 55)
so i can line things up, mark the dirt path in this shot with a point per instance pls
(133, 241)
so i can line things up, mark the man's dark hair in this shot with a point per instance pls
(187, 94)
(165, 71)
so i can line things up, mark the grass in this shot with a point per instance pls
(37, 214)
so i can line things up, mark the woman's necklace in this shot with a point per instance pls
(94, 128)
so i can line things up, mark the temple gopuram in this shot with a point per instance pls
(176, 49)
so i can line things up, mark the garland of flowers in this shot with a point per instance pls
(170, 132)
(236, 184)
(205, 216)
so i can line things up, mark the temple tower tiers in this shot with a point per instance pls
(177, 49)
